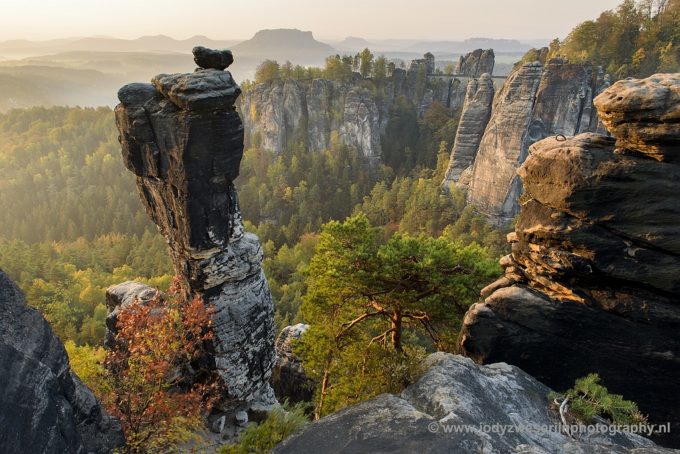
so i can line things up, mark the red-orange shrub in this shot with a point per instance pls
(156, 343)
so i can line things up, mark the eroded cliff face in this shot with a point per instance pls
(182, 138)
(593, 281)
(289, 380)
(535, 101)
(476, 63)
(44, 407)
(473, 121)
(312, 111)
(278, 112)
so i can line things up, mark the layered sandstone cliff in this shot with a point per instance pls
(474, 118)
(593, 281)
(476, 63)
(535, 101)
(183, 139)
(313, 111)
(279, 112)
(289, 380)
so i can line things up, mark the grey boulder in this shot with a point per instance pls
(212, 58)
(457, 406)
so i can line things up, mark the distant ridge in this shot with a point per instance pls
(157, 43)
(468, 45)
(354, 44)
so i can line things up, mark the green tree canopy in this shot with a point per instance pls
(386, 298)
(268, 70)
(636, 39)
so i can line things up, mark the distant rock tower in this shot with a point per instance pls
(183, 139)
(476, 63)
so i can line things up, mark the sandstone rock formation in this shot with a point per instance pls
(182, 138)
(280, 111)
(118, 297)
(536, 101)
(473, 121)
(476, 63)
(288, 378)
(593, 281)
(456, 392)
(212, 59)
(44, 407)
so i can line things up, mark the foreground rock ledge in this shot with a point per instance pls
(182, 138)
(593, 281)
(454, 391)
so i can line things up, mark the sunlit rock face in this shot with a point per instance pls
(593, 281)
(473, 121)
(289, 380)
(315, 112)
(278, 113)
(535, 102)
(44, 407)
(476, 63)
(182, 138)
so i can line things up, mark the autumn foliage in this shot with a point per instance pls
(155, 387)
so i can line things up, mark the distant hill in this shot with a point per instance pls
(498, 45)
(26, 86)
(353, 44)
(19, 93)
(285, 44)
(158, 43)
(88, 71)
(138, 65)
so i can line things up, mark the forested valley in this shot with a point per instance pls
(371, 252)
(73, 224)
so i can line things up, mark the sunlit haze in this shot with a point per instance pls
(240, 19)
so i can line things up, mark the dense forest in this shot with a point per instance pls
(637, 39)
(66, 167)
(74, 224)
(347, 242)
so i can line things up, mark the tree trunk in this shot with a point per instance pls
(324, 388)
(396, 331)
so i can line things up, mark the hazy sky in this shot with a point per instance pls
(235, 19)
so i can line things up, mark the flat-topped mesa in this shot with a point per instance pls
(183, 139)
(593, 281)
